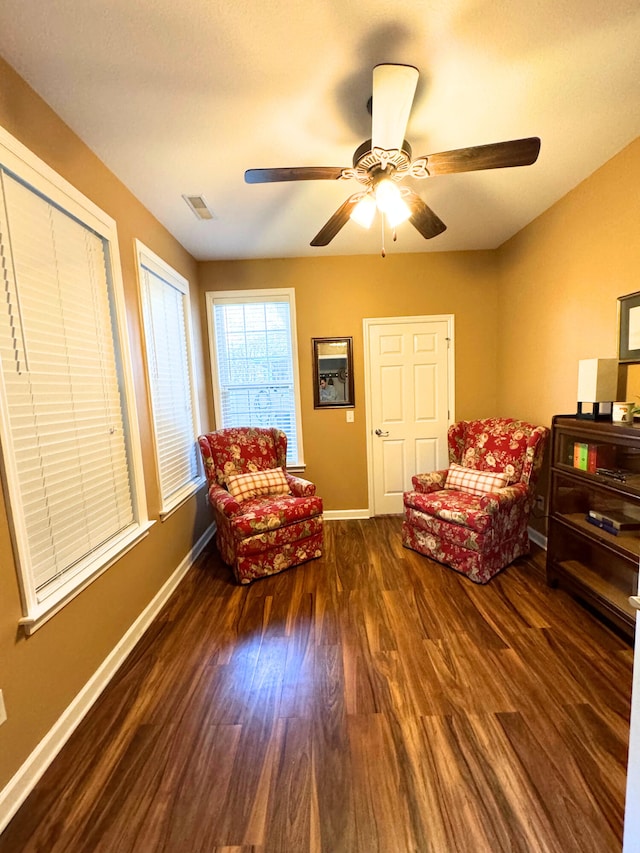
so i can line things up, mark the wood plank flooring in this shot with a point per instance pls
(368, 701)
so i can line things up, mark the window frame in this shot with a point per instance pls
(257, 296)
(146, 258)
(37, 608)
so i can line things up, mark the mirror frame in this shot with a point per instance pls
(349, 400)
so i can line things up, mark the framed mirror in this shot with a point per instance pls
(332, 373)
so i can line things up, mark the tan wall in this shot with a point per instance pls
(559, 282)
(41, 675)
(333, 296)
(560, 279)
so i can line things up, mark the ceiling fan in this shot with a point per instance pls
(383, 161)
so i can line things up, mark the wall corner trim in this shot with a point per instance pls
(25, 779)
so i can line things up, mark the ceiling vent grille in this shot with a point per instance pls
(199, 206)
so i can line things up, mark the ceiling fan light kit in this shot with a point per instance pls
(384, 160)
(387, 198)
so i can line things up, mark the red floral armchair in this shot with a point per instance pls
(261, 529)
(474, 516)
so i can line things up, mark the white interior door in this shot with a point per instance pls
(409, 378)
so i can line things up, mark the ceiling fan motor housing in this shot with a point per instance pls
(373, 164)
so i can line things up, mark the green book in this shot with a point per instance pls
(581, 455)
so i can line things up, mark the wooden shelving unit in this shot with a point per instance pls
(599, 567)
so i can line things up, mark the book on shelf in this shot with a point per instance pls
(614, 518)
(580, 455)
(590, 457)
(603, 525)
(600, 456)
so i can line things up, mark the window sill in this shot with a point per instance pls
(44, 610)
(181, 498)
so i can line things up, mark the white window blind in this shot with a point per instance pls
(66, 437)
(255, 357)
(165, 300)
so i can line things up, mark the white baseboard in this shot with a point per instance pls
(22, 783)
(537, 538)
(345, 514)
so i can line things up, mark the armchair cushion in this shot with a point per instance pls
(473, 482)
(475, 512)
(269, 513)
(255, 483)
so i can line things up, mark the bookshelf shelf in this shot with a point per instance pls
(595, 480)
(607, 591)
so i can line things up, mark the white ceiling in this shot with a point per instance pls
(181, 96)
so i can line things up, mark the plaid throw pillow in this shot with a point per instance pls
(245, 486)
(474, 482)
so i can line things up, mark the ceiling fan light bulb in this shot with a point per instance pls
(398, 212)
(387, 194)
(391, 203)
(364, 211)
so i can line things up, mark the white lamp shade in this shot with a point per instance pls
(597, 380)
(364, 211)
(390, 202)
(398, 213)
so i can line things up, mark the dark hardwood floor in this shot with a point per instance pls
(368, 701)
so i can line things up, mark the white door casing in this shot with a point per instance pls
(409, 402)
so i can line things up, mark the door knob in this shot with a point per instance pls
(382, 432)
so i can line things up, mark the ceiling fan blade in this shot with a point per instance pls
(422, 217)
(329, 230)
(393, 89)
(293, 173)
(497, 155)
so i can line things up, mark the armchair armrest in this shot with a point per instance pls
(300, 488)
(503, 499)
(431, 482)
(222, 501)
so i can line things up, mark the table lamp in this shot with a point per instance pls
(597, 388)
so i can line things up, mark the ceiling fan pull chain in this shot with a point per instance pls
(383, 253)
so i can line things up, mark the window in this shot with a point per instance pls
(70, 448)
(254, 356)
(167, 332)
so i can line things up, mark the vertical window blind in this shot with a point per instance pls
(257, 366)
(165, 310)
(65, 441)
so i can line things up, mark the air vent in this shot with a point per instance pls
(199, 206)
